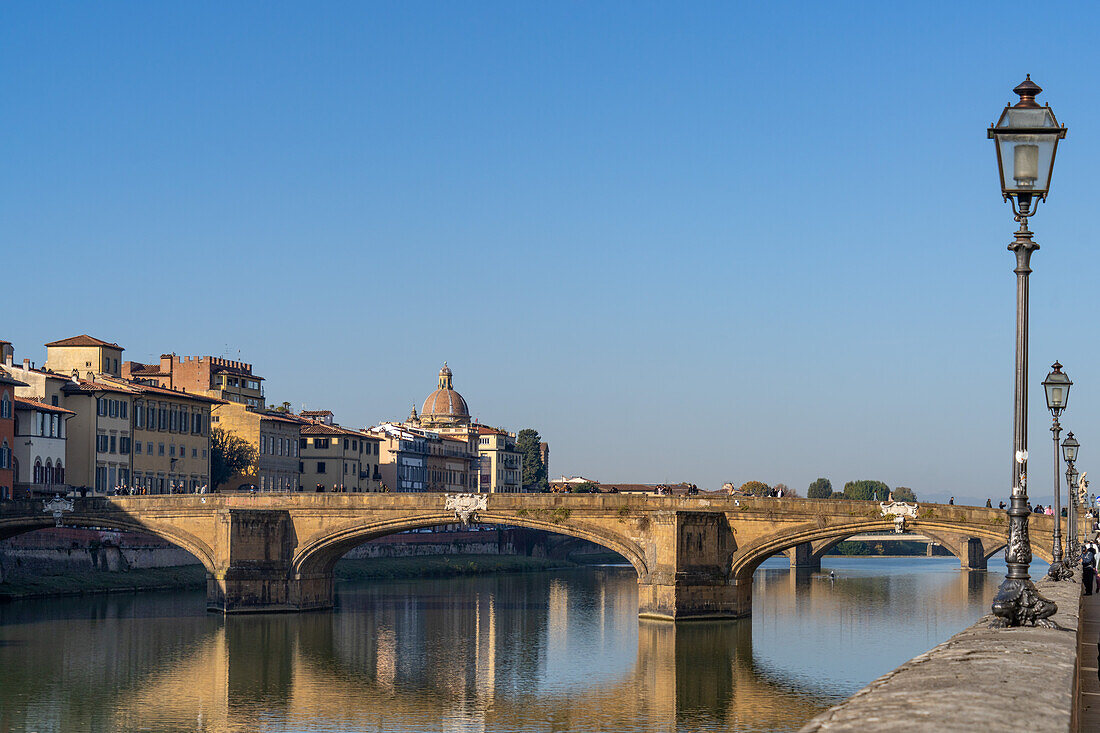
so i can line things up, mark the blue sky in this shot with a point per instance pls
(700, 242)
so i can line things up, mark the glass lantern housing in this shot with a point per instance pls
(1026, 138)
(1069, 448)
(1057, 386)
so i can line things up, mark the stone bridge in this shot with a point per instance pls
(694, 556)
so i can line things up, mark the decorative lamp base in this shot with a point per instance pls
(1018, 603)
(1060, 571)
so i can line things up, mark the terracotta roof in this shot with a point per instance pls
(44, 373)
(84, 340)
(218, 368)
(305, 413)
(149, 389)
(146, 370)
(319, 429)
(83, 385)
(485, 430)
(35, 404)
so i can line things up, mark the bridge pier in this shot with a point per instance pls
(803, 557)
(253, 574)
(689, 572)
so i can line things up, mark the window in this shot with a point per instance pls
(345, 443)
(137, 447)
(114, 444)
(101, 407)
(139, 415)
(172, 449)
(160, 449)
(204, 452)
(173, 421)
(162, 418)
(149, 448)
(5, 455)
(53, 400)
(302, 441)
(320, 466)
(123, 409)
(151, 417)
(194, 452)
(5, 406)
(124, 444)
(54, 426)
(321, 443)
(113, 407)
(102, 443)
(355, 445)
(301, 467)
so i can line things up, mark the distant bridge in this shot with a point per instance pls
(694, 556)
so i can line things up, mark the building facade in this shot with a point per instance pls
(333, 458)
(274, 437)
(171, 440)
(85, 356)
(98, 441)
(8, 385)
(501, 466)
(40, 456)
(223, 379)
(403, 457)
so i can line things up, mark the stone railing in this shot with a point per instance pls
(980, 679)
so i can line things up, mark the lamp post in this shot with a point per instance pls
(1070, 446)
(1026, 138)
(1056, 386)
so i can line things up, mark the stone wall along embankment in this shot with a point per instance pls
(980, 679)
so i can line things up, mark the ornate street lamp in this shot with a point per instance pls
(1026, 137)
(1056, 386)
(1070, 446)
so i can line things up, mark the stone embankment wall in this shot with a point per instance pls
(980, 679)
(50, 551)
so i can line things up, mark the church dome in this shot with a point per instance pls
(445, 405)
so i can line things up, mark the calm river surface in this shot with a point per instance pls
(559, 651)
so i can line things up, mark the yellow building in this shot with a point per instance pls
(171, 440)
(338, 459)
(501, 466)
(84, 354)
(275, 439)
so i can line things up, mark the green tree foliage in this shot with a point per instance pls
(534, 471)
(229, 455)
(852, 547)
(756, 488)
(587, 487)
(821, 488)
(866, 490)
(837, 495)
(904, 493)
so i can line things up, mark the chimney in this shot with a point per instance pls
(8, 358)
(26, 363)
(166, 363)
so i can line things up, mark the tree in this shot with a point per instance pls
(230, 455)
(756, 488)
(822, 488)
(837, 495)
(866, 490)
(534, 471)
(904, 493)
(588, 487)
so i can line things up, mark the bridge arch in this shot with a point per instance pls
(748, 558)
(14, 526)
(319, 554)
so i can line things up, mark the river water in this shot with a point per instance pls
(558, 651)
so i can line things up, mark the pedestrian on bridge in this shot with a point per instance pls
(1088, 570)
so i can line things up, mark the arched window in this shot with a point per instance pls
(59, 472)
(37, 470)
(5, 455)
(5, 405)
(48, 478)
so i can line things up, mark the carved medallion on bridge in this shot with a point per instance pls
(899, 510)
(466, 506)
(57, 506)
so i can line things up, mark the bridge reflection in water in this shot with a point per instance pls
(535, 652)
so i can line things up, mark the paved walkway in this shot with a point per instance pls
(1089, 654)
